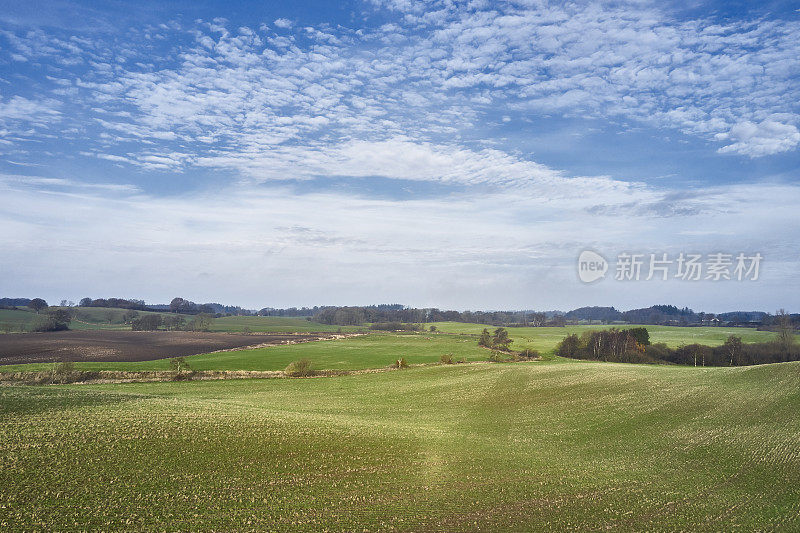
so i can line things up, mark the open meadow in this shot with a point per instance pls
(482, 447)
(545, 339)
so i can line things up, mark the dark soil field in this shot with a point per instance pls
(125, 345)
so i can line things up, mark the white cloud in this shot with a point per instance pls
(431, 74)
(765, 138)
(460, 251)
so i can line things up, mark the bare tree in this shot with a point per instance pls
(785, 330)
(733, 345)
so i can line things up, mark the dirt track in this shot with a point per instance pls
(18, 348)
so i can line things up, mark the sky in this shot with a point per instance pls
(459, 155)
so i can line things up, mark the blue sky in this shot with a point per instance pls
(449, 154)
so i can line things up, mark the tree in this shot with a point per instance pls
(177, 304)
(37, 304)
(174, 323)
(569, 346)
(501, 340)
(52, 320)
(146, 323)
(733, 347)
(641, 335)
(785, 330)
(485, 339)
(538, 319)
(201, 322)
(85, 302)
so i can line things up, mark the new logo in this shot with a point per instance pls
(591, 266)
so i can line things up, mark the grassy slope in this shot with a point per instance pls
(479, 447)
(546, 339)
(16, 318)
(375, 350)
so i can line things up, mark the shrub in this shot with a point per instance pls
(432, 329)
(62, 372)
(485, 339)
(247, 331)
(497, 356)
(44, 323)
(179, 364)
(446, 358)
(181, 368)
(400, 363)
(528, 354)
(146, 323)
(300, 368)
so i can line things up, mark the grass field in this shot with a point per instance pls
(16, 319)
(546, 339)
(274, 324)
(375, 350)
(527, 446)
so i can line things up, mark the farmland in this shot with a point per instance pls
(115, 346)
(379, 349)
(90, 318)
(369, 351)
(545, 339)
(461, 447)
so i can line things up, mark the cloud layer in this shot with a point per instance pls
(424, 96)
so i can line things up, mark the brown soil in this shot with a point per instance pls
(18, 348)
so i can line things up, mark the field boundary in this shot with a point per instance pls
(97, 377)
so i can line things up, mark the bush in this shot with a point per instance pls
(179, 364)
(446, 358)
(300, 368)
(44, 323)
(146, 323)
(485, 339)
(62, 372)
(497, 356)
(400, 363)
(528, 354)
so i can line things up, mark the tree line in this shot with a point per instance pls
(633, 346)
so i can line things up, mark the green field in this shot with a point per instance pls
(17, 319)
(545, 339)
(375, 350)
(525, 446)
(274, 324)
